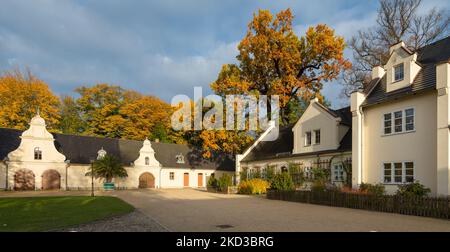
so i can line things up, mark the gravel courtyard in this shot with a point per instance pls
(195, 210)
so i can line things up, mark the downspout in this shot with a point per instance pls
(361, 111)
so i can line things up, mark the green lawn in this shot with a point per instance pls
(46, 213)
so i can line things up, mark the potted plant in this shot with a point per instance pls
(108, 167)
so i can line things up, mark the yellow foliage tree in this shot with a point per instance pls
(273, 60)
(21, 96)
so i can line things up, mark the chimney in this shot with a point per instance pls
(377, 72)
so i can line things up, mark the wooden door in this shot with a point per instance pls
(146, 180)
(186, 180)
(51, 180)
(200, 180)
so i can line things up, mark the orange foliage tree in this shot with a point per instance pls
(21, 96)
(273, 60)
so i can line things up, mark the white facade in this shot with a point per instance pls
(37, 157)
(397, 141)
(327, 132)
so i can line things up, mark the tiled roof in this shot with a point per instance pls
(81, 149)
(428, 57)
(283, 146)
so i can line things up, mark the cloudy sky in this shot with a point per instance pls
(158, 47)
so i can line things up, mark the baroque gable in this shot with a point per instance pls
(147, 156)
(37, 144)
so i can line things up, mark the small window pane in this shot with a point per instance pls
(409, 179)
(308, 138)
(398, 172)
(387, 124)
(398, 121)
(398, 72)
(409, 120)
(387, 173)
(409, 112)
(317, 136)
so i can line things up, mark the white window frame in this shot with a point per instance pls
(37, 151)
(338, 167)
(306, 138)
(394, 73)
(147, 160)
(393, 172)
(315, 136)
(403, 131)
(171, 175)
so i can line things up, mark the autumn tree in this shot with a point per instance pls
(146, 116)
(21, 95)
(397, 20)
(273, 60)
(111, 111)
(99, 106)
(212, 141)
(71, 122)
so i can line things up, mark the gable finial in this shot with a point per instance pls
(38, 112)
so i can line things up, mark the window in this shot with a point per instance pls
(409, 119)
(308, 138)
(399, 72)
(37, 153)
(399, 121)
(398, 125)
(398, 172)
(147, 161)
(338, 174)
(317, 136)
(387, 173)
(172, 175)
(387, 123)
(179, 158)
(409, 172)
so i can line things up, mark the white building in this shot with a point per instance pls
(401, 120)
(321, 138)
(36, 159)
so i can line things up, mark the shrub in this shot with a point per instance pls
(253, 186)
(377, 189)
(413, 189)
(283, 182)
(212, 182)
(318, 186)
(224, 182)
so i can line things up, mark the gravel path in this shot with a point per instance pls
(132, 222)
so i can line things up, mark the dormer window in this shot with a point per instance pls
(147, 161)
(399, 72)
(179, 158)
(37, 153)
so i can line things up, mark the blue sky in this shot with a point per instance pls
(163, 48)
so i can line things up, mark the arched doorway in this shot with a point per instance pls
(24, 180)
(146, 180)
(51, 180)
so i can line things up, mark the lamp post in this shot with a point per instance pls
(92, 178)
